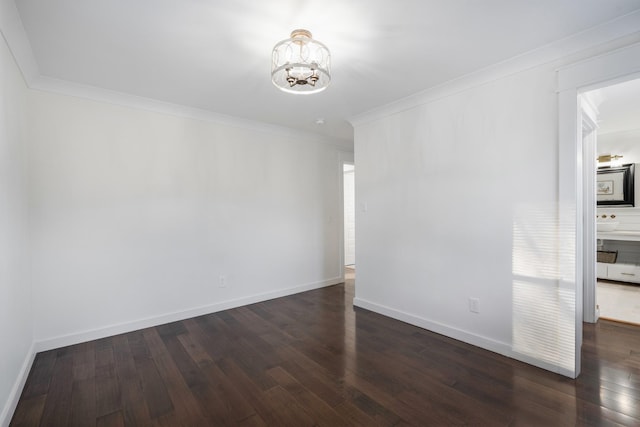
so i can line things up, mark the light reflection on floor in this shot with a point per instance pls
(350, 321)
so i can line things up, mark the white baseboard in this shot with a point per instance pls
(76, 338)
(460, 335)
(16, 390)
(107, 331)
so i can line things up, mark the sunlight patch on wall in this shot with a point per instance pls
(543, 303)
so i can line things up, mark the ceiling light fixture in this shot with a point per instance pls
(300, 64)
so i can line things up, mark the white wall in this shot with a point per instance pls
(136, 215)
(16, 325)
(625, 143)
(457, 199)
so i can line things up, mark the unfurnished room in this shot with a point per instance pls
(331, 213)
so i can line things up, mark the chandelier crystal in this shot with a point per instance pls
(300, 64)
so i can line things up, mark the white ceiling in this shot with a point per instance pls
(215, 54)
(618, 107)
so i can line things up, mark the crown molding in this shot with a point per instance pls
(626, 26)
(16, 39)
(93, 93)
(623, 64)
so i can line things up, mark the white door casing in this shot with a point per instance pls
(615, 66)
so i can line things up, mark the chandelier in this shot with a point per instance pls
(300, 64)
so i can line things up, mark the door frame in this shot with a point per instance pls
(343, 207)
(343, 158)
(589, 118)
(615, 66)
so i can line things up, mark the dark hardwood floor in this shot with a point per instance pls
(311, 359)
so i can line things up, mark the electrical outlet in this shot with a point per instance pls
(474, 305)
(223, 281)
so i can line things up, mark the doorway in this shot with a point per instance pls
(349, 215)
(615, 66)
(612, 290)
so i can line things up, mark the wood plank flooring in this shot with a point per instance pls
(311, 359)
